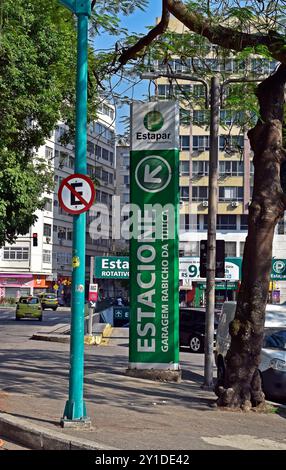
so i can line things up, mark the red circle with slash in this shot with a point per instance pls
(76, 194)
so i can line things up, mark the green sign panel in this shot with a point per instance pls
(278, 272)
(225, 285)
(111, 267)
(154, 270)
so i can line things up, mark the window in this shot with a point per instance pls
(194, 222)
(201, 143)
(47, 230)
(71, 161)
(230, 193)
(244, 222)
(230, 249)
(230, 168)
(126, 180)
(105, 154)
(111, 157)
(201, 168)
(205, 222)
(185, 221)
(199, 90)
(185, 117)
(90, 147)
(69, 234)
(90, 170)
(19, 253)
(200, 117)
(226, 222)
(184, 168)
(62, 233)
(125, 198)
(104, 197)
(163, 90)
(48, 205)
(63, 159)
(104, 176)
(47, 256)
(184, 193)
(111, 178)
(185, 142)
(49, 153)
(98, 150)
(200, 193)
(126, 160)
(231, 142)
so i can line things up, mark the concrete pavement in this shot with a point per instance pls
(126, 412)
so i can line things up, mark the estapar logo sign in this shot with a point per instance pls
(153, 121)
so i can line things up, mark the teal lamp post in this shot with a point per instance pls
(75, 411)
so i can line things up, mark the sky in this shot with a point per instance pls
(134, 23)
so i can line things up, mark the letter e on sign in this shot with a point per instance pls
(76, 194)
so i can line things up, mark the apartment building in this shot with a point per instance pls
(26, 268)
(235, 157)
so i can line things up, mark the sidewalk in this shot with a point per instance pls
(126, 413)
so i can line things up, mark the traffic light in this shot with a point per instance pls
(203, 258)
(220, 257)
(35, 239)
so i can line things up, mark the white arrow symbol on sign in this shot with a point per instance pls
(149, 176)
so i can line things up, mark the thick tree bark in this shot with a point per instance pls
(242, 383)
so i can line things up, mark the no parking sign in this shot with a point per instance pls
(76, 194)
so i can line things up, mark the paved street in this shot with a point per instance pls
(126, 413)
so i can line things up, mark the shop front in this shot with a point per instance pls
(40, 283)
(12, 286)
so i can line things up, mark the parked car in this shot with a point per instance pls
(273, 355)
(29, 307)
(192, 328)
(49, 300)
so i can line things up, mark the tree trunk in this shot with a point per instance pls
(241, 387)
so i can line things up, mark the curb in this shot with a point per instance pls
(54, 335)
(36, 437)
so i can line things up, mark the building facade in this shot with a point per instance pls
(26, 268)
(235, 183)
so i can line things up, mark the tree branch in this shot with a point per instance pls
(159, 29)
(228, 38)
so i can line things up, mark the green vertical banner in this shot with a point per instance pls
(154, 251)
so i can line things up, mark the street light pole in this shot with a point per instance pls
(211, 239)
(75, 411)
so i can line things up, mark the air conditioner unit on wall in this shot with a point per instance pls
(205, 203)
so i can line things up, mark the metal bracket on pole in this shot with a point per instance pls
(78, 7)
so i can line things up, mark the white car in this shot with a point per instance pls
(273, 355)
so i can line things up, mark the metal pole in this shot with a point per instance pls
(75, 407)
(91, 309)
(211, 242)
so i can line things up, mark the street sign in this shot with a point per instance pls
(153, 174)
(93, 293)
(120, 316)
(111, 267)
(76, 194)
(154, 270)
(278, 271)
